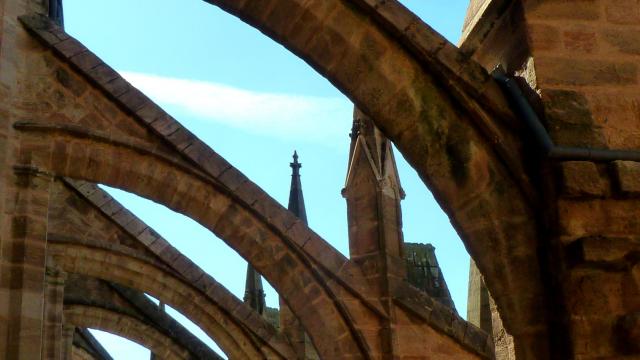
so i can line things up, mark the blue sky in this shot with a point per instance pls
(254, 103)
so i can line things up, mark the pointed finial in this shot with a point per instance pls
(295, 165)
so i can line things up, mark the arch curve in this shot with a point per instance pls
(125, 326)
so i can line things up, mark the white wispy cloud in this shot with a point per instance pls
(317, 119)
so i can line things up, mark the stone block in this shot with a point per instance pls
(582, 179)
(623, 11)
(543, 36)
(70, 47)
(150, 112)
(103, 74)
(86, 60)
(566, 9)
(627, 177)
(71, 82)
(117, 87)
(626, 41)
(579, 72)
(132, 99)
(166, 125)
(182, 138)
(583, 40)
(629, 328)
(232, 179)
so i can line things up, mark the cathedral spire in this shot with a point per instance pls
(253, 292)
(296, 199)
(289, 324)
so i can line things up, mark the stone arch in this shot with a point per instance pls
(124, 326)
(116, 266)
(95, 293)
(447, 117)
(82, 213)
(293, 258)
(325, 290)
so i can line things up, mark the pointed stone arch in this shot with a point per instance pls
(448, 118)
(75, 219)
(145, 151)
(125, 326)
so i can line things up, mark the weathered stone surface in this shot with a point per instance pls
(627, 175)
(629, 326)
(582, 179)
(437, 105)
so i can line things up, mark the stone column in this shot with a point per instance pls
(52, 334)
(68, 332)
(24, 195)
(22, 284)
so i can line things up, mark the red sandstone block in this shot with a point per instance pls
(395, 14)
(182, 264)
(215, 164)
(564, 9)
(232, 178)
(543, 36)
(584, 41)
(299, 233)
(122, 216)
(117, 87)
(193, 273)
(99, 198)
(59, 33)
(598, 217)
(86, 60)
(627, 177)
(199, 152)
(59, 157)
(135, 226)
(150, 112)
(582, 179)
(623, 11)
(283, 16)
(249, 192)
(70, 47)
(602, 249)
(148, 236)
(182, 138)
(132, 99)
(256, 10)
(328, 46)
(102, 74)
(323, 253)
(569, 71)
(166, 125)
(626, 41)
(159, 246)
(111, 207)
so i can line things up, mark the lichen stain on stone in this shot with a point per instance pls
(458, 153)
